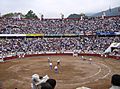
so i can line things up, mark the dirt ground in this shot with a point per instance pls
(73, 72)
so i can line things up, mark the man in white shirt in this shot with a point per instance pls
(36, 80)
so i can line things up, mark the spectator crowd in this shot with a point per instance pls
(59, 26)
(90, 44)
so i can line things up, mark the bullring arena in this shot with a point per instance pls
(73, 71)
(26, 45)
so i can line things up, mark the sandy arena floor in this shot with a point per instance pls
(73, 72)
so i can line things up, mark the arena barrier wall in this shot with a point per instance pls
(60, 54)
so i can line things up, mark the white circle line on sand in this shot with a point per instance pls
(107, 73)
(95, 73)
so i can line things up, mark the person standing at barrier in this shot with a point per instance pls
(82, 57)
(90, 60)
(23, 55)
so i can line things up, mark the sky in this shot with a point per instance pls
(54, 8)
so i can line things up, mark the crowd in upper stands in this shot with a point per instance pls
(59, 26)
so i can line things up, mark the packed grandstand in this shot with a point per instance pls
(59, 26)
(91, 35)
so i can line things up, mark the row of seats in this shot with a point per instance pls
(59, 26)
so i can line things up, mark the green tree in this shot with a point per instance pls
(11, 15)
(78, 16)
(74, 16)
(31, 14)
(8, 15)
